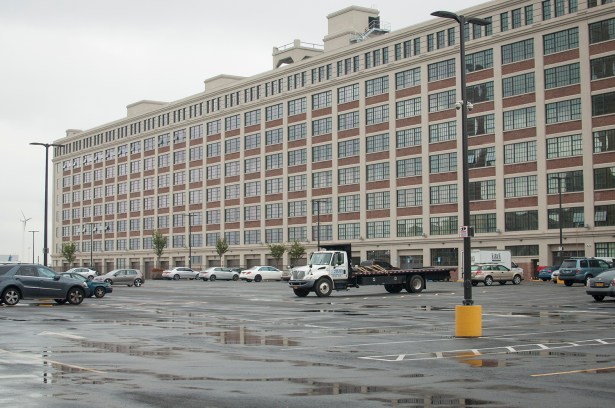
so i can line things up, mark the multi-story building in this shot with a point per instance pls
(359, 141)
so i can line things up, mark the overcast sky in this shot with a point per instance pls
(76, 64)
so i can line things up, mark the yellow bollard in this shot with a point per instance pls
(468, 321)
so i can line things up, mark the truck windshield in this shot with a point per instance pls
(320, 259)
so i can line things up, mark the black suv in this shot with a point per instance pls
(579, 270)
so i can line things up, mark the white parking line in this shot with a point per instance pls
(30, 358)
(489, 350)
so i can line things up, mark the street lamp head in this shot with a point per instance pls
(446, 14)
(478, 21)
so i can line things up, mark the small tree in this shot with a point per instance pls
(296, 251)
(221, 248)
(159, 243)
(68, 252)
(277, 251)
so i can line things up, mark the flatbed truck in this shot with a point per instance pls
(332, 268)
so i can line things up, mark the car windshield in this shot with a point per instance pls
(475, 268)
(75, 276)
(320, 259)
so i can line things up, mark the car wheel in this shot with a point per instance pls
(544, 280)
(138, 282)
(109, 281)
(11, 296)
(90, 277)
(301, 292)
(60, 301)
(258, 278)
(99, 292)
(474, 283)
(212, 278)
(598, 298)
(235, 277)
(175, 277)
(488, 281)
(568, 283)
(323, 287)
(516, 280)
(204, 279)
(75, 296)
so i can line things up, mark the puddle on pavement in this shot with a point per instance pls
(489, 363)
(241, 336)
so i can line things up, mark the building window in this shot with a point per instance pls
(443, 225)
(602, 31)
(252, 141)
(546, 10)
(408, 78)
(348, 93)
(480, 92)
(441, 70)
(408, 137)
(321, 100)
(411, 197)
(321, 153)
(297, 183)
(378, 200)
(274, 136)
(603, 67)
(297, 157)
(603, 104)
(409, 167)
(523, 186)
(377, 86)
(232, 122)
(322, 179)
(565, 146)
(604, 215)
(274, 112)
(297, 132)
(274, 161)
(521, 220)
(481, 157)
(348, 120)
(573, 217)
(483, 223)
(520, 118)
(442, 163)
(408, 108)
(604, 140)
(516, 18)
(568, 181)
(561, 41)
(348, 148)
(376, 143)
(322, 126)
(378, 171)
(252, 165)
(604, 178)
(378, 229)
(349, 175)
(232, 191)
(252, 117)
(274, 186)
(350, 203)
(445, 194)
(482, 190)
(562, 76)
(377, 114)
(410, 227)
(504, 21)
(297, 208)
(479, 60)
(441, 132)
(520, 152)
(564, 111)
(349, 231)
(519, 51)
(442, 100)
(518, 85)
(481, 125)
(297, 106)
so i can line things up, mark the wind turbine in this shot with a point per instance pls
(24, 221)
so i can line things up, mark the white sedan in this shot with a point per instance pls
(218, 272)
(259, 273)
(87, 273)
(179, 272)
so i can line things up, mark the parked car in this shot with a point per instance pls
(218, 272)
(579, 270)
(489, 273)
(98, 289)
(33, 281)
(123, 276)
(545, 274)
(259, 273)
(286, 274)
(180, 272)
(602, 285)
(555, 275)
(85, 272)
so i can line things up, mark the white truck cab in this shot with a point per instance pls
(324, 267)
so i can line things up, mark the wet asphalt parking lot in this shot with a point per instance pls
(238, 344)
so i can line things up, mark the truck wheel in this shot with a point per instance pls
(301, 292)
(416, 284)
(323, 287)
(393, 287)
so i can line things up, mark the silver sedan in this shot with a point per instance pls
(218, 272)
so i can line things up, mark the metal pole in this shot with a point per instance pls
(46, 146)
(467, 246)
(32, 244)
(559, 217)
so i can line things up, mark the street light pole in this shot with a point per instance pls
(46, 146)
(467, 247)
(32, 244)
(189, 240)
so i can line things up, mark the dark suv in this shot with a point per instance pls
(579, 270)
